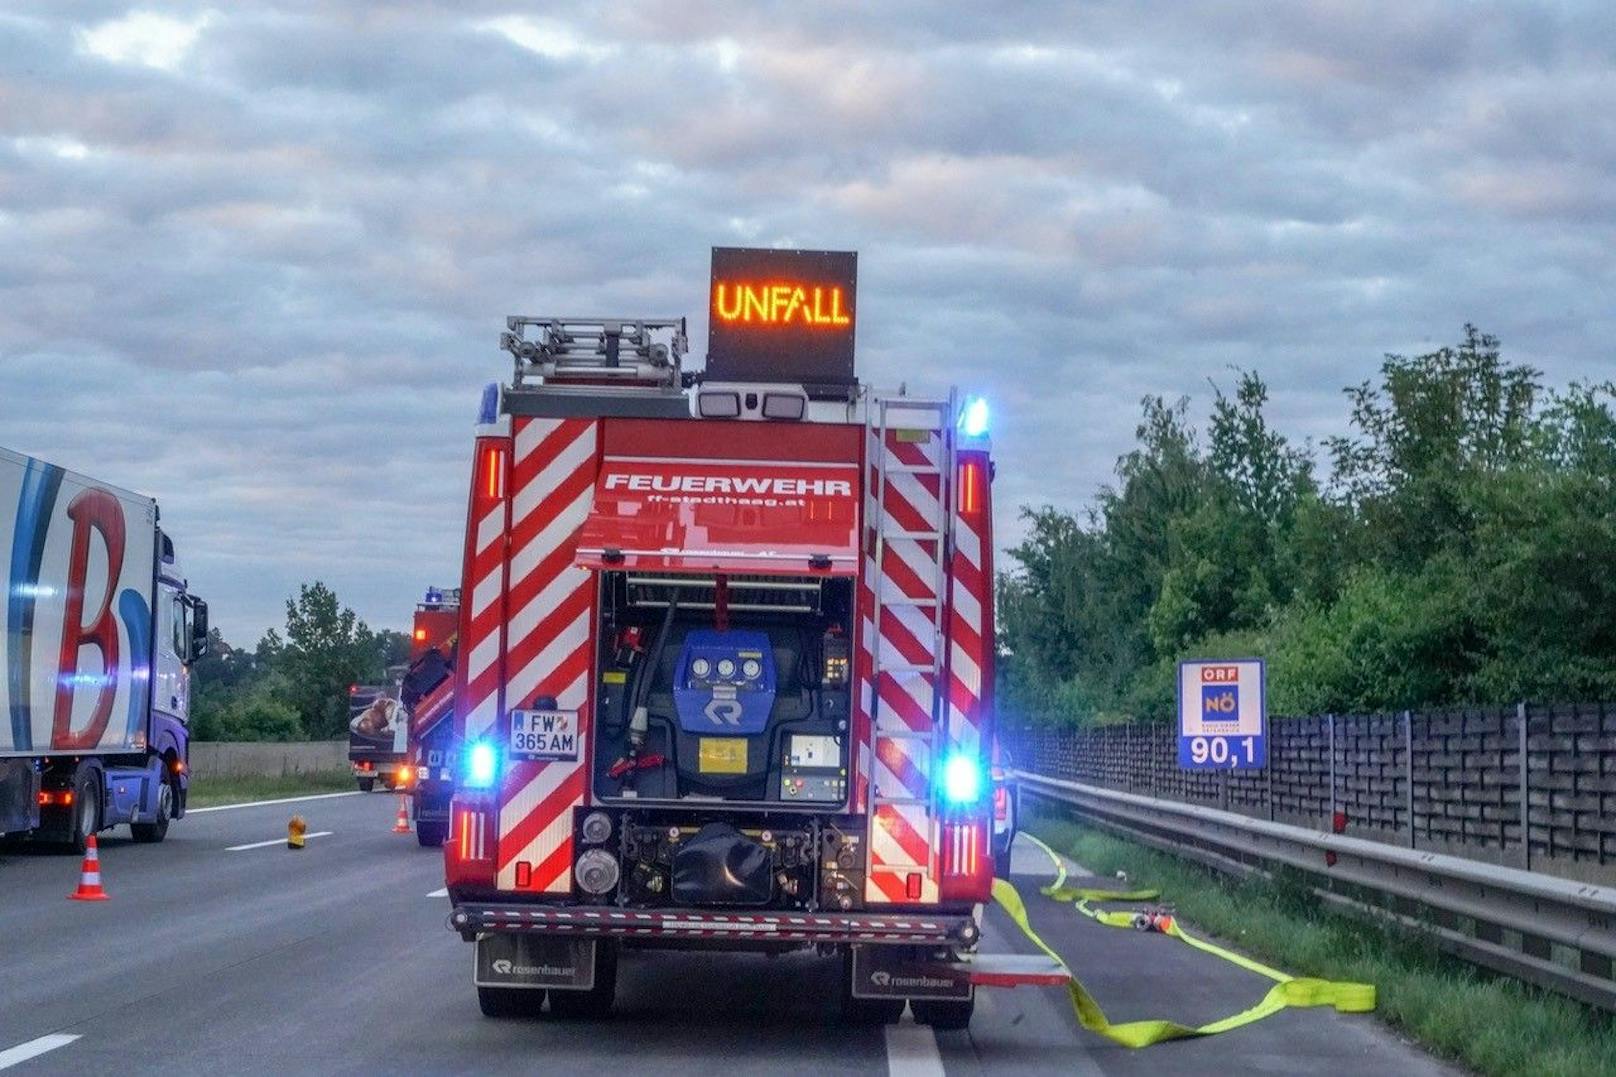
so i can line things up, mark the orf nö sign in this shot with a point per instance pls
(1222, 714)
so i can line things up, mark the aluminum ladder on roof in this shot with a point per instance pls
(898, 482)
(596, 350)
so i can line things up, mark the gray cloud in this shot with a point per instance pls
(254, 261)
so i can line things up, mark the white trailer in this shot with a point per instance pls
(97, 634)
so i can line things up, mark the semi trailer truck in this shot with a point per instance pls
(726, 641)
(100, 631)
(378, 735)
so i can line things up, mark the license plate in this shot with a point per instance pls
(544, 734)
(721, 755)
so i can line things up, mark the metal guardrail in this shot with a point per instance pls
(1552, 932)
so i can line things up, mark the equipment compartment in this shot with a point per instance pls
(731, 689)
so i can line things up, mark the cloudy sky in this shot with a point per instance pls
(254, 258)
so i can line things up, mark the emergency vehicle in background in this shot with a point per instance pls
(725, 669)
(428, 694)
(397, 732)
(99, 632)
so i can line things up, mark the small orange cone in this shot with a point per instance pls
(402, 825)
(90, 876)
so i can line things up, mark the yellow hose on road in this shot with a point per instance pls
(1288, 991)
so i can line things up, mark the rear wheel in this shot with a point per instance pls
(597, 1001)
(1002, 846)
(86, 813)
(944, 1016)
(865, 1011)
(156, 830)
(510, 1001)
(366, 784)
(430, 835)
(1001, 863)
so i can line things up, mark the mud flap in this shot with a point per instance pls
(903, 972)
(535, 961)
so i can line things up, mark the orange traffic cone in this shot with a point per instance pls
(402, 825)
(89, 876)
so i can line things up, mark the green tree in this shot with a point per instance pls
(1224, 571)
(1073, 618)
(327, 649)
(392, 648)
(1436, 427)
(1462, 551)
(219, 681)
(256, 712)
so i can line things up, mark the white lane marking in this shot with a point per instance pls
(11, 1056)
(912, 1050)
(272, 841)
(440, 893)
(263, 803)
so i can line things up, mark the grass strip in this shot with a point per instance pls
(1485, 1021)
(232, 789)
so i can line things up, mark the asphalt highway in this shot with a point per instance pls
(221, 951)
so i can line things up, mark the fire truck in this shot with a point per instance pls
(427, 692)
(725, 674)
(398, 733)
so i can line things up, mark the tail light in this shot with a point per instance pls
(971, 482)
(491, 483)
(468, 855)
(50, 799)
(967, 867)
(405, 775)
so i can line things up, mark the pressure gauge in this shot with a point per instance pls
(751, 668)
(700, 667)
(726, 667)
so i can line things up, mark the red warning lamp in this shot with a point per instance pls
(493, 476)
(970, 487)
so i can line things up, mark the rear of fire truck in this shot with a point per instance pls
(724, 676)
(427, 692)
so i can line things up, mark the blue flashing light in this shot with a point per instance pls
(974, 417)
(489, 410)
(482, 765)
(962, 779)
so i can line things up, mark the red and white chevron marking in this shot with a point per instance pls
(969, 646)
(902, 836)
(482, 613)
(547, 649)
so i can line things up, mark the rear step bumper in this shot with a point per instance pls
(471, 919)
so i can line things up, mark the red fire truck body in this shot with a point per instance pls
(724, 675)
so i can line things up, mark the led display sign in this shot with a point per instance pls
(782, 316)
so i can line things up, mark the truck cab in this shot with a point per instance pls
(147, 783)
